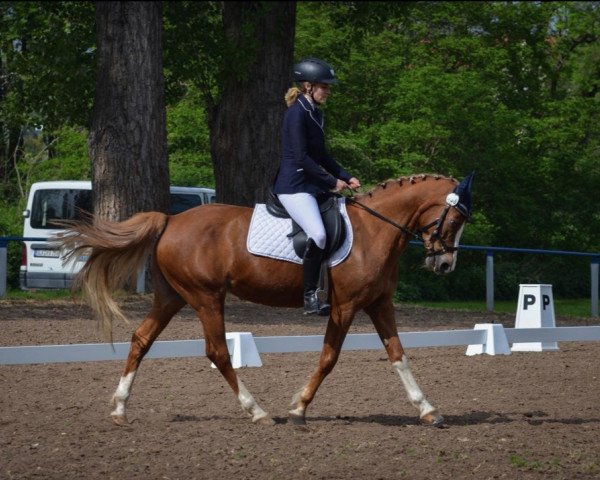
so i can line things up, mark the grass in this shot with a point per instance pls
(523, 462)
(41, 295)
(564, 307)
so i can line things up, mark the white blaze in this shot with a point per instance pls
(456, 241)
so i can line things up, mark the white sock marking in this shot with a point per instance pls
(415, 395)
(122, 394)
(248, 403)
(299, 410)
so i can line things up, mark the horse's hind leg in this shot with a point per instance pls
(382, 315)
(166, 304)
(210, 312)
(337, 328)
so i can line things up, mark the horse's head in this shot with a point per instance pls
(441, 225)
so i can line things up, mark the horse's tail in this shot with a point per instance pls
(116, 252)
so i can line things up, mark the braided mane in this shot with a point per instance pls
(411, 179)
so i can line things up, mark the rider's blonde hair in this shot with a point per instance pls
(292, 94)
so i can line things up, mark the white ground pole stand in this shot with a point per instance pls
(535, 309)
(496, 343)
(242, 350)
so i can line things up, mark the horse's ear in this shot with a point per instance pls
(463, 190)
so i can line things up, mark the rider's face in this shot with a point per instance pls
(320, 92)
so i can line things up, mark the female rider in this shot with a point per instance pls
(307, 169)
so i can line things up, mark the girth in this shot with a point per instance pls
(333, 221)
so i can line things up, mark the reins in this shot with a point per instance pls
(404, 230)
(438, 223)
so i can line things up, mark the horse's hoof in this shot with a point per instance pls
(120, 420)
(266, 420)
(297, 420)
(434, 419)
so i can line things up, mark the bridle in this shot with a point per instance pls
(452, 201)
(437, 233)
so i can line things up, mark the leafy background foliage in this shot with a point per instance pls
(508, 89)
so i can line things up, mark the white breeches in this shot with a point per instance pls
(303, 208)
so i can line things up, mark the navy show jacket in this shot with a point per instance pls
(306, 165)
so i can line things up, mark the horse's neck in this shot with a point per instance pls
(403, 202)
(400, 203)
(382, 240)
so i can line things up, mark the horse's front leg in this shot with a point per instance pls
(381, 313)
(337, 328)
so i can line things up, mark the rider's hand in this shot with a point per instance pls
(354, 183)
(340, 185)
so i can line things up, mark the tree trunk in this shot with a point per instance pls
(127, 141)
(245, 124)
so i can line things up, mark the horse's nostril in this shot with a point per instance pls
(444, 267)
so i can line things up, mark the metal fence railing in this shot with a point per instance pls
(4, 258)
(489, 252)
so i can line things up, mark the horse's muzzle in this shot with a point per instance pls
(441, 263)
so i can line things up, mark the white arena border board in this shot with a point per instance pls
(490, 339)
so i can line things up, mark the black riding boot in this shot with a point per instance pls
(313, 257)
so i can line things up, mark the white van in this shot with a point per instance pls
(41, 265)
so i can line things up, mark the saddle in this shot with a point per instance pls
(335, 227)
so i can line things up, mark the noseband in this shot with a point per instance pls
(451, 202)
(437, 235)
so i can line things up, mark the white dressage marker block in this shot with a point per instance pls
(495, 344)
(242, 350)
(535, 309)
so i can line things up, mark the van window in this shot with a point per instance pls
(181, 202)
(59, 204)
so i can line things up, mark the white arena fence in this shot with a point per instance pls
(490, 339)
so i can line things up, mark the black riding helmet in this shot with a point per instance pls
(314, 70)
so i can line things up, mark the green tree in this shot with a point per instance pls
(509, 89)
(238, 55)
(127, 141)
(46, 73)
(188, 141)
(245, 122)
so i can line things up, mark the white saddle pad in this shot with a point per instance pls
(267, 236)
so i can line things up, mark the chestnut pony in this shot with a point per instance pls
(200, 255)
